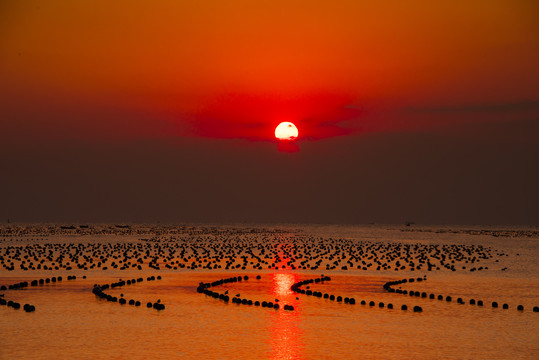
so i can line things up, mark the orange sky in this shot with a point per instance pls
(423, 111)
(227, 68)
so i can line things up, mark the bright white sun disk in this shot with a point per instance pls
(286, 131)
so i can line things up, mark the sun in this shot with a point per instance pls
(286, 131)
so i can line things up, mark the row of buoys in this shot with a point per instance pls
(39, 231)
(494, 233)
(16, 305)
(388, 287)
(203, 288)
(246, 251)
(296, 287)
(24, 284)
(98, 291)
(10, 303)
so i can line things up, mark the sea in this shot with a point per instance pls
(468, 264)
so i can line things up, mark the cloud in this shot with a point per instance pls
(254, 117)
(513, 107)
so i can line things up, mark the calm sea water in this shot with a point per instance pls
(70, 322)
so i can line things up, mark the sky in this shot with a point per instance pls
(137, 111)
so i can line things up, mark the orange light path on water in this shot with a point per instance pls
(286, 334)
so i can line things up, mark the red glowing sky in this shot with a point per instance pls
(235, 69)
(194, 75)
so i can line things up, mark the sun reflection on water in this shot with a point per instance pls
(286, 334)
(282, 282)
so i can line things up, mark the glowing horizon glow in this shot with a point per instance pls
(286, 131)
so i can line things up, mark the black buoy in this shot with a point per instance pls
(494, 304)
(520, 308)
(418, 309)
(404, 307)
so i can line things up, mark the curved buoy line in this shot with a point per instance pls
(347, 300)
(204, 288)
(388, 286)
(24, 284)
(98, 291)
